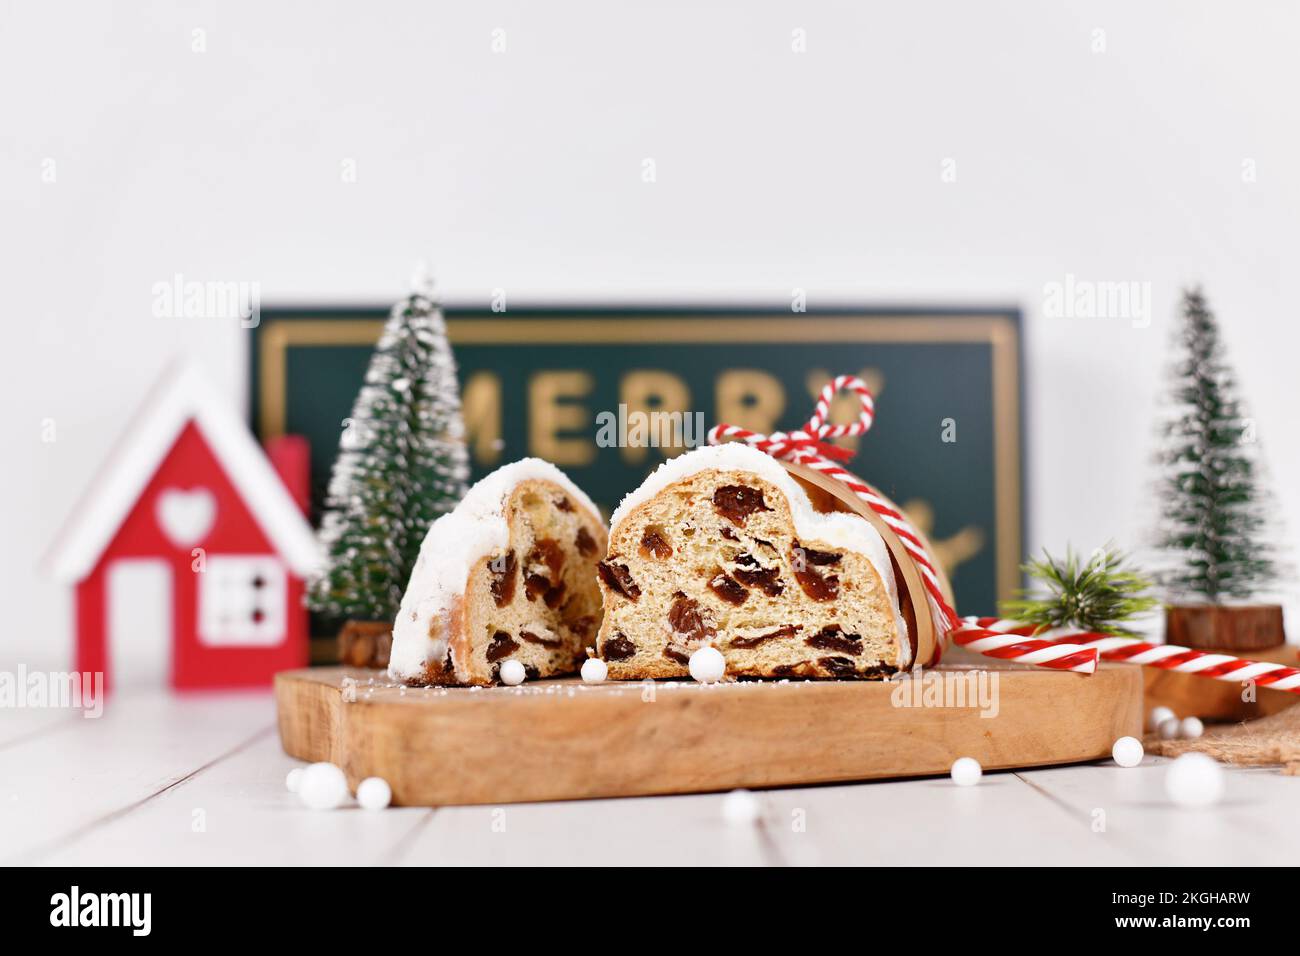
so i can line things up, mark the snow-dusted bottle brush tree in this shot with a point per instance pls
(402, 463)
(1216, 531)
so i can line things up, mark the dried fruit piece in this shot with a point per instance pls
(532, 638)
(788, 670)
(503, 580)
(738, 502)
(618, 579)
(554, 595)
(547, 551)
(502, 645)
(833, 638)
(685, 619)
(563, 503)
(814, 585)
(769, 579)
(788, 630)
(837, 666)
(819, 558)
(675, 653)
(584, 542)
(878, 670)
(654, 544)
(728, 534)
(727, 589)
(535, 585)
(582, 626)
(618, 648)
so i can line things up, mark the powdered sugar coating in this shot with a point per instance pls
(839, 529)
(475, 530)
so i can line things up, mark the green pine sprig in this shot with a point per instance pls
(1099, 595)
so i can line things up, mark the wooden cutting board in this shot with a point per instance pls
(563, 739)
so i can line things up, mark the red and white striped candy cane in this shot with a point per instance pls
(809, 446)
(980, 635)
(1170, 657)
(1018, 648)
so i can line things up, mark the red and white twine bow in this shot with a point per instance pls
(810, 446)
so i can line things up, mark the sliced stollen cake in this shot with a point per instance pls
(510, 574)
(721, 546)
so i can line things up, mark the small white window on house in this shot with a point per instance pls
(241, 601)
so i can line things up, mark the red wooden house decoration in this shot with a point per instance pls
(189, 548)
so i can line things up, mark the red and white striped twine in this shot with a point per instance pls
(1132, 650)
(809, 446)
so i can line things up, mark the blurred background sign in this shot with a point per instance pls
(946, 443)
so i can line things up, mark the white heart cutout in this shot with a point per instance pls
(186, 516)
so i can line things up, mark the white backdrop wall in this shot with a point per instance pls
(1153, 142)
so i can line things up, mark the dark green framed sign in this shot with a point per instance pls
(946, 442)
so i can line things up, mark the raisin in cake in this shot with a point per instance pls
(509, 574)
(721, 546)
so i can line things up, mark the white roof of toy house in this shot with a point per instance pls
(183, 395)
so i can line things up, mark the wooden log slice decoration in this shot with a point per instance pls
(1234, 628)
(827, 494)
(365, 643)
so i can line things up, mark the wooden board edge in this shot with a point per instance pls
(364, 740)
(307, 713)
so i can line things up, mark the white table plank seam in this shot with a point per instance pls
(35, 854)
(51, 728)
(1081, 814)
(1131, 826)
(403, 846)
(767, 845)
(1046, 794)
(1132, 843)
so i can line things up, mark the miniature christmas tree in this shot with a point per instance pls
(1213, 511)
(402, 462)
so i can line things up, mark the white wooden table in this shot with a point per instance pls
(199, 779)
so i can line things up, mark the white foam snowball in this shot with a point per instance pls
(594, 670)
(1191, 728)
(323, 786)
(1158, 716)
(1195, 780)
(293, 780)
(1127, 751)
(374, 793)
(966, 771)
(1168, 728)
(741, 808)
(707, 665)
(512, 673)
